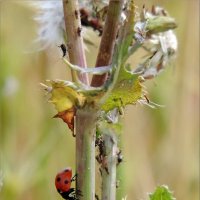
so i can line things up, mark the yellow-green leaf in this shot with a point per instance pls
(127, 90)
(161, 193)
(65, 95)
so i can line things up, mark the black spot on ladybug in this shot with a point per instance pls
(59, 191)
(66, 182)
(66, 170)
(58, 179)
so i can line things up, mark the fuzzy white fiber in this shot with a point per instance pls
(50, 19)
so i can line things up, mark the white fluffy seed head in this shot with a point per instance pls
(50, 19)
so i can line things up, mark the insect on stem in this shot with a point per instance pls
(64, 49)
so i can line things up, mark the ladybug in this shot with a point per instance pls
(63, 184)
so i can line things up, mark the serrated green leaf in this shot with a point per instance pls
(161, 193)
(127, 90)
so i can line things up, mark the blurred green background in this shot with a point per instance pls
(160, 146)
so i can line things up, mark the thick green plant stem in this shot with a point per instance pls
(108, 40)
(74, 37)
(85, 121)
(109, 170)
(85, 153)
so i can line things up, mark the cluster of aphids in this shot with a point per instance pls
(63, 182)
(101, 157)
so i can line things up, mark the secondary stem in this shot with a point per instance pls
(109, 175)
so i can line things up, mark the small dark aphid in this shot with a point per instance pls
(79, 31)
(96, 197)
(119, 157)
(64, 49)
(147, 99)
(76, 14)
(117, 183)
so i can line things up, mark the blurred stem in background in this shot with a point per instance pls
(109, 180)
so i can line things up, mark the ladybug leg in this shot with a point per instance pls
(79, 193)
(73, 178)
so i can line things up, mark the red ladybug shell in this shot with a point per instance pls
(63, 180)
